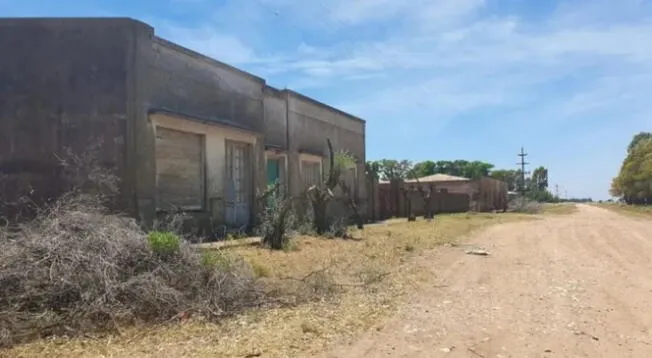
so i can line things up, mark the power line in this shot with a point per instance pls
(522, 163)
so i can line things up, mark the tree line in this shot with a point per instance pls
(633, 184)
(535, 185)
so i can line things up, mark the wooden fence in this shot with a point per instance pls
(386, 200)
(396, 198)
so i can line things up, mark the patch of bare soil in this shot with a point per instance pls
(577, 285)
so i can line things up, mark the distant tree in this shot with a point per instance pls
(390, 169)
(372, 168)
(509, 176)
(539, 179)
(476, 169)
(463, 168)
(425, 168)
(444, 167)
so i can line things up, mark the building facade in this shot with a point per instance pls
(182, 131)
(296, 152)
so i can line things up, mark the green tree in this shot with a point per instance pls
(539, 179)
(444, 167)
(509, 176)
(638, 138)
(425, 168)
(476, 169)
(634, 181)
(390, 169)
(372, 168)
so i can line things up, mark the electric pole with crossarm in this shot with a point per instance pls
(522, 163)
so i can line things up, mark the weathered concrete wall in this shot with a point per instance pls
(310, 123)
(75, 82)
(180, 81)
(275, 103)
(63, 83)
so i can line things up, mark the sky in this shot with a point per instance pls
(569, 80)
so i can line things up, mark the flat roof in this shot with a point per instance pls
(208, 59)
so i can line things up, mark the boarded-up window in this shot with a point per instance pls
(179, 170)
(310, 173)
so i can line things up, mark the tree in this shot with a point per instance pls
(464, 168)
(634, 181)
(425, 168)
(476, 169)
(372, 168)
(390, 169)
(539, 179)
(638, 138)
(509, 176)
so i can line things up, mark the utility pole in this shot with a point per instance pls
(522, 163)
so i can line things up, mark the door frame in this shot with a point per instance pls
(251, 170)
(282, 157)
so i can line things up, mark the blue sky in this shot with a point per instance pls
(438, 79)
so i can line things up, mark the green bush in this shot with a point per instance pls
(164, 242)
(217, 259)
(276, 219)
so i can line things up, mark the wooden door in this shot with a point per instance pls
(239, 183)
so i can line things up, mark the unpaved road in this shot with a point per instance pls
(576, 285)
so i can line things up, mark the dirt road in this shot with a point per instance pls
(577, 285)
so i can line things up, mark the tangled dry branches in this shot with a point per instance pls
(77, 269)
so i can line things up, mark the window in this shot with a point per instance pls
(179, 160)
(310, 173)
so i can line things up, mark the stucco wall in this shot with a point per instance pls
(63, 83)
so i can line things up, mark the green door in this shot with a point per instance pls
(273, 171)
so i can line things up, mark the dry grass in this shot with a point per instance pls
(370, 275)
(632, 210)
(559, 209)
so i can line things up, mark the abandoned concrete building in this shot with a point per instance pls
(181, 130)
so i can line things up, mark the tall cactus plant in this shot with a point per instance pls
(321, 195)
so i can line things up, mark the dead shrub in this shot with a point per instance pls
(77, 269)
(524, 205)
